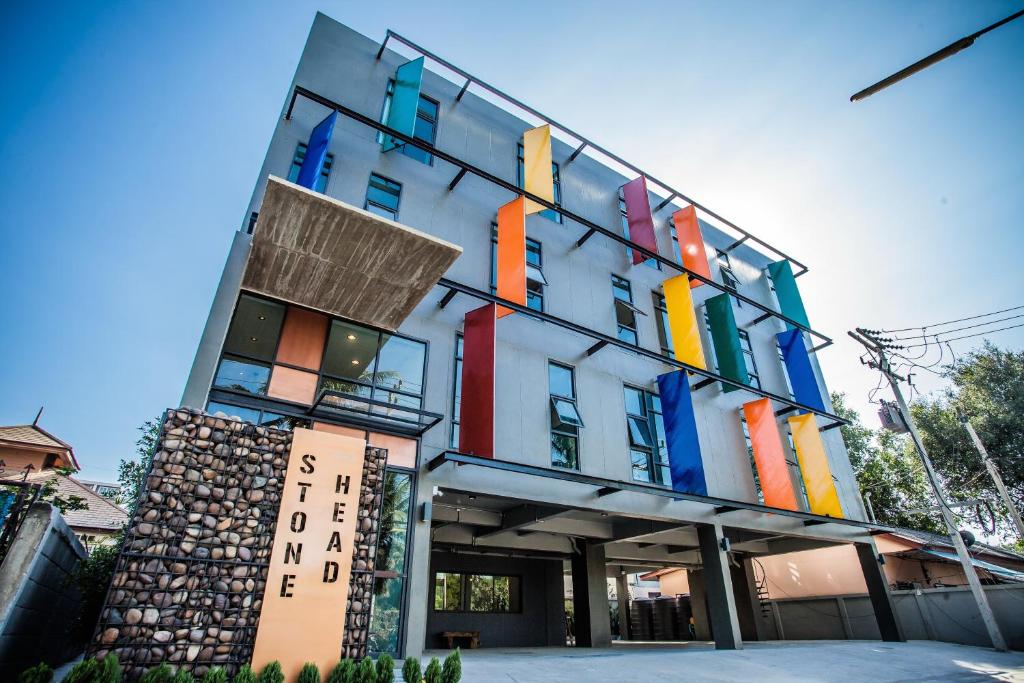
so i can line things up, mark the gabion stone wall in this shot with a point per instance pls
(188, 584)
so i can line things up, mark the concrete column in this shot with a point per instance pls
(698, 604)
(718, 584)
(590, 596)
(878, 590)
(622, 593)
(418, 588)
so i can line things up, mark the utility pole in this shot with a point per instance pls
(993, 472)
(877, 349)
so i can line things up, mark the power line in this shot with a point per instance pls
(960, 329)
(950, 322)
(968, 336)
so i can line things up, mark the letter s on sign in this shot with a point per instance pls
(307, 464)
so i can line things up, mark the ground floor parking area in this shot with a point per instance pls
(761, 662)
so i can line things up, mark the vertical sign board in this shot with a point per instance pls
(510, 261)
(639, 217)
(303, 615)
(726, 340)
(791, 304)
(316, 152)
(476, 411)
(691, 243)
(537, 171)
(684, 458)
(810, 452)
(769, 458)
(405, 102)
(682, 322)
(798, 368)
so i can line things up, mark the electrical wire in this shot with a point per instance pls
(969, 336)
(950, 322)
(960, 329)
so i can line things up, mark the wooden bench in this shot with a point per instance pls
(473, 636)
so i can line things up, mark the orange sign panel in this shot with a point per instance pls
(769, 458)
(691, 243)
(511, 261)
(303, 615)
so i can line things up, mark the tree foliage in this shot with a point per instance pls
(131, 472)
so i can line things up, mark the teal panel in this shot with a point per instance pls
(405, 101)
(790, 303)
(726, 340)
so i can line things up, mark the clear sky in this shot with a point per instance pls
(133, 133)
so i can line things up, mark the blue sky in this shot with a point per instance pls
(133, 133)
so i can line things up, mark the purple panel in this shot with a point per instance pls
(638, 215)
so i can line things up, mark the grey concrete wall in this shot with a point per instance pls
(539, 622)
(37, 602)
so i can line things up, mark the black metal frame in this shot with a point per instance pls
(371, 420)
(584, 142)
(511, 187)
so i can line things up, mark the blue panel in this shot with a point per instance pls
(405, 101)
(316, 151)
(684, 457)
(798, 367)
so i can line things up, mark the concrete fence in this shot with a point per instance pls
(945, 614)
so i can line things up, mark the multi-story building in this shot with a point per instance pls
(571, 459)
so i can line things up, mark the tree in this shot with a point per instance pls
(987, 385)
(131, 473)
(887, 467)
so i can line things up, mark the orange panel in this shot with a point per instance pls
(511, 261)
(292, 385)
(401, 452)
(770, 459)
(691, 243)
(302, 338)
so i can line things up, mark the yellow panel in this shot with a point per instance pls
(817, 475)
(682, 322)
(537, 178)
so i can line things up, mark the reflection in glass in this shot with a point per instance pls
(237, 374)
(350, 351)
(564, 450)
(447, 592)
(560, 381)
(255, 328)
(400, 365)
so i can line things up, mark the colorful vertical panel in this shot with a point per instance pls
(810, 452)
(302, 338)
(511, 254)
(316, 151)
(639, 217)
(405, 100)
(682, 322)
(476, 416)
(684, 457)
(798, 367)
(726, 340)
(691, 243)
(537, 177)
(791, 304)
(769, 458)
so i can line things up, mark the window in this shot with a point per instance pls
(710, 346)
(676, 251)
(456, 392)
(250, 346)
(454, 592)
(750, 457)
(661, 318)
(748, 357)
(325, 172)
(382, 197)
(645, 433)
(725, 268)
(565, 416)
(624, 217)
(625, 311)
(263, 418)
(785, 371)
(390, 564)
(535, 280)
(556, 180)
(795, 473)
(237, 374)
(425, 128)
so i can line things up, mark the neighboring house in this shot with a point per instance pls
(104, 488)
(30, 453)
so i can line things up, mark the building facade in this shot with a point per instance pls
(584, 476)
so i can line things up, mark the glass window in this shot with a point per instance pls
(645, 430)
(750, 457)
(556, 180)
(795, 473)
(661, 319)
(237, 374)
(785, 371)
(565, 413)
(259, 417)
(624, 216)
(457, 391)
(325, 171)
(493, 593)
(728, 277)
(748, 357)
(382, 197)
(255, 328)
(625, 311)
(535, 280)
(425, 128)
(639, 432)
(447, 592)
(390, 566)
(560, 380)
(565, 416)
(350, 352)
(246, 414)
(676, 251)
(400, 364)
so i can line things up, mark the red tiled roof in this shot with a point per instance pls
(34, 435)
(101, 513)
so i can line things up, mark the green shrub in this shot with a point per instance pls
(215, 674)
(411, 672)
(83, 672)
(385, 669)
(343, 672)
(366, 672)
(40, 673)
(452, 670)
(109, 670)
(433, 672)
(184, 676)
(309, 673)
(271, 673)
(244, 675)
(158, 674)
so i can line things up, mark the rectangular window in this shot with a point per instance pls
(676, 251)
(728, 277)
(625, 311)
(264, 418)
(750, 457)
(390, 566)
(455, 592)
(535, 280)
(794, 470)
(425, 129)
(238, 374)
(250, 346)
(748, 357)
(382, 197)
(661, 318)
(565, 416)
(785, 372)
(645, 433)
(299, 157)
(624, 217)
(456, 392)
(556, 180)
(708, 345)
(448, 592)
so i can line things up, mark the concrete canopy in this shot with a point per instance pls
(324, 254)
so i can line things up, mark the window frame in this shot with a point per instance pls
(296, 167)
(389, 93)
(556, 182)
(456, 420)
(745, 428)
(661, 322)
(658, 470)
(540, 295)
(367, 202)
(728, 275)
(617, 281)
(563, 429)
(465, 604)
(753, 376)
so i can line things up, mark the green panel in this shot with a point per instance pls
(790, 303)
(726, 340)
(404, 102)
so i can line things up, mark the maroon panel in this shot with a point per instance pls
(476, 419)
(639, 218)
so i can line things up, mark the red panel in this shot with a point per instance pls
(691, 243)
(511, 261)
(476, 419)
(772, 469)
(639, 218)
